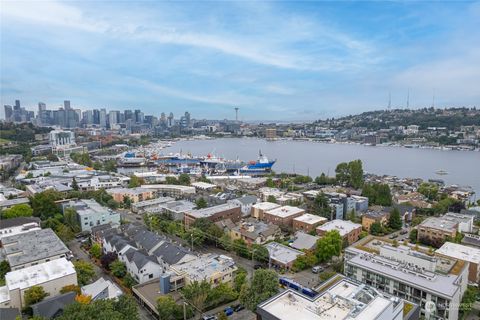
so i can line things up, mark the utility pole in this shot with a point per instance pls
(408, 98)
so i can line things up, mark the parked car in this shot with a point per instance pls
(393, 236)
(209, 317)
(238, 307)
(404, 231)
(258, 266)
(228, 311)
(317, 269)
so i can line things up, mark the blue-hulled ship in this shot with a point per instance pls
(262, 165)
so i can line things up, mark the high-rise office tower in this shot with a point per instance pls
(17, 105)
(103, 118)
(170, 120)
(8, 112)
(66, 104)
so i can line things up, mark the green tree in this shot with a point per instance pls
(4, 269)
(63, 232)
(329, 245)
(413, 235)
(263, 286)
(352, 216)
(260, 253)
(240, 279)
(70, 219)
(342, 173)
(127, 202)
(377, 193)
(184, 179)
(122, 308)
(376, 228)
(240, 247)
(118, 268)
(272, 199)
(166, 307)
(43, 204)
(321, 206)
(269, 183)
(201, 203)
(468, 299)
(429, 190)
(194, 236)
(220, 294)
(110, 166)
(19, 210)
(395, 220)
(129, 281)
(355, 169)
(34, 294)
(71, 288)
(85, 272)
(171, 180)
(96, 251)
(74, 184)
(196, 293)
(135, 181)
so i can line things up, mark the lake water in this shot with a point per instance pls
(313, 158)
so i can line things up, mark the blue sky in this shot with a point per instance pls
(275, 60)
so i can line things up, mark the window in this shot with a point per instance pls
(150, 276)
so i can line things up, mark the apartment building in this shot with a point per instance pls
(371, 217)
(307, 222)
(435, 283)
(464, 253)
(283, 216)
(135, 194)
(90, 214)
(348, 230)
(339, 298)
(32, 248)
(216, 213)
(52, 276)
(259, 209)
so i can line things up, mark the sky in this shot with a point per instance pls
(275, 60)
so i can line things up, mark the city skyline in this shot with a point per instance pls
(280, 61)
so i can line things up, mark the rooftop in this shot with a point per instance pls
(282, 253)
(310, 219)
(208, 212)
(138, 190)
(19, 221)
(206, 266)
(186, 189)
(265, 206)
(345, 299)
(343, 226)
(152, 202)
(203, 185)
(38, 274)
(461, 252)
(304, 241)
(32, 246)
(285, 211)
(440, 223)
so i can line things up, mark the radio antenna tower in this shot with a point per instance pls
(389, 101)
(408, 98)
(236, 113)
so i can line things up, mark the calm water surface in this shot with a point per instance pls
(313, 158)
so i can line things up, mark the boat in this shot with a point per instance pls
(441, 172)
(262, 165)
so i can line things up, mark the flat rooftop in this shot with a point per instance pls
(179, 206)
(152, 202)
(38, 274)
(440, 223)
(285, 211)
(459, 251)
(208, 212)
(343, 300)
(310, 219)
(185, 189)
(443, 285)
(265, 206)
(282, 253)
(32, 246)
(203, 185)
(206, 266)
(138, 190)
(342, 226)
